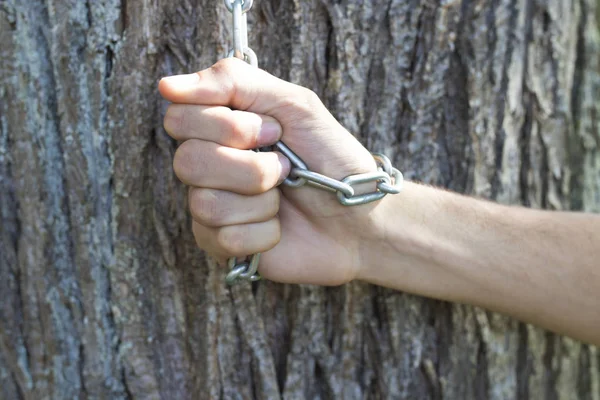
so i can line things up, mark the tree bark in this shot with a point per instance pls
(103, 292)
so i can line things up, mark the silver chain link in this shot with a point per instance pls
(388, 179)
(245, 270)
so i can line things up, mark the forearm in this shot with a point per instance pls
(541, 267)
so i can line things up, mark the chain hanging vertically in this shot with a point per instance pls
(238, 9)
(388, 179)
(246, 270)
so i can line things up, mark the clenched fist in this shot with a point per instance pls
(235, 199)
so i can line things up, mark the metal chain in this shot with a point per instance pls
(246, 270)
(388, 179)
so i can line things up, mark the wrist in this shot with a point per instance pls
(413, 247)
(395, 237)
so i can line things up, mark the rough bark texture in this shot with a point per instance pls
(103, 293)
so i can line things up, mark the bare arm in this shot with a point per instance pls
(539, 266)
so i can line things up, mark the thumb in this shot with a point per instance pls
(236, 84)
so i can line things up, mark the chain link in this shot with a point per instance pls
(246, 270)
(243, 270)
(238, 9)
(388, 179)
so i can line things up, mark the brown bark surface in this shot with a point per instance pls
(103, 292)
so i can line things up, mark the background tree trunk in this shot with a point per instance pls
(103, 292)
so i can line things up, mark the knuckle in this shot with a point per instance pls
(204, 238)
(272, 202)
(204, 206)
(174, 120)
(244, 128)
(223, 64)
(234, 127)
(231, 239)
(262, 176)
(224, 69)
(180, 161)
(306, 102)
(276, 236)
(170, 121)
(185, 159)
(307, 99)
(311, 97)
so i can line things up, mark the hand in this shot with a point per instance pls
(238, 209)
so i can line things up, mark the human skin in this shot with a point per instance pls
(539, 266)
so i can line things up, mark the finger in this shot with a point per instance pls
(233, 128)
(238, 240)
(234, 83)
(215, 208)
(209, 165)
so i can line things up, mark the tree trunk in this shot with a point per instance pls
(103, 292)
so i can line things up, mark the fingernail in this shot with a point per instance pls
(186, 79)
(270, 132)
(284, 167)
